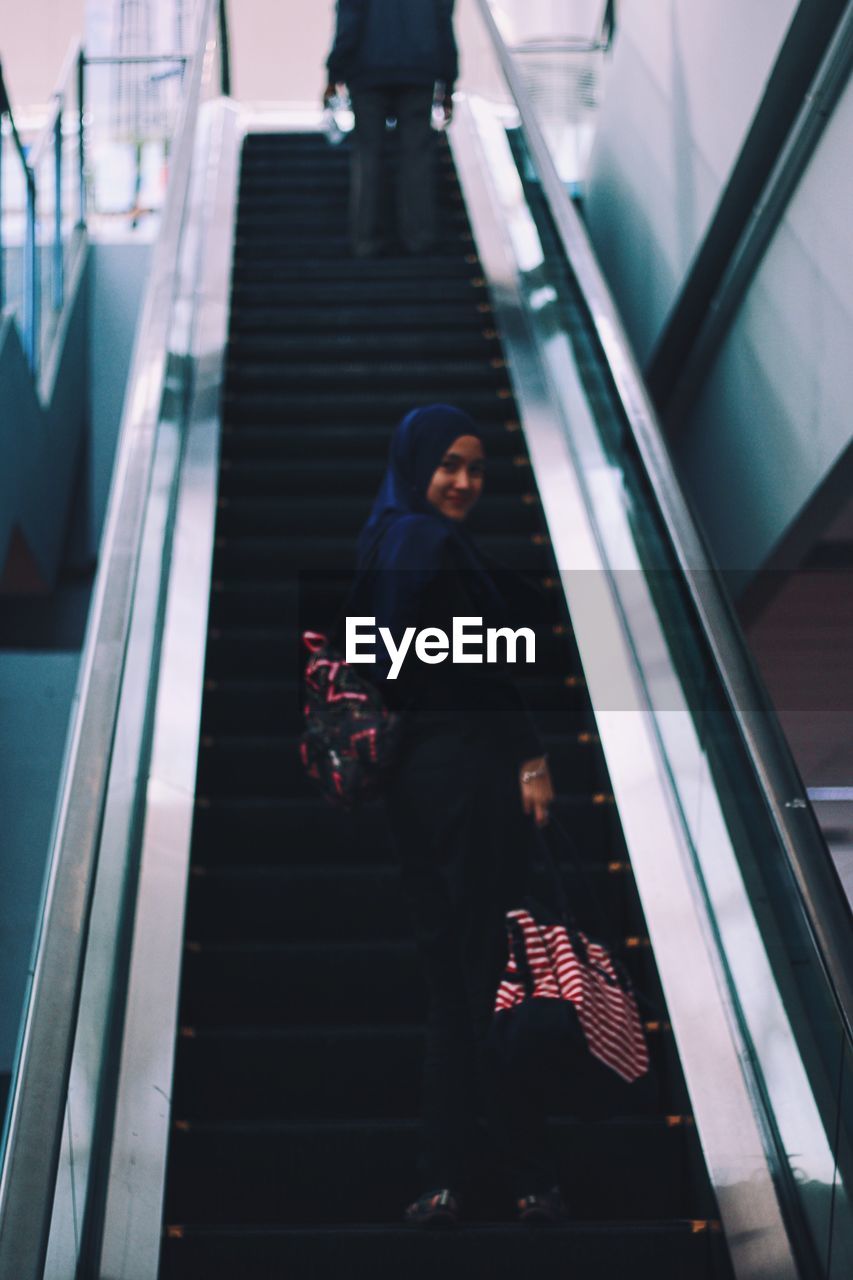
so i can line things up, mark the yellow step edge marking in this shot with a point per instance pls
(484, 308)
(188, 1033)
(540, 539)
(602, 797)
(182, 1126)
(637, 944)
(528, 499)
(174, 1233)
(193, 947)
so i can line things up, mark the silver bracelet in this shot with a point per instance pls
(527, 775)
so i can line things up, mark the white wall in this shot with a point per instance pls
(34, 39)
(775, 412)
(279, 47)
(685, 82)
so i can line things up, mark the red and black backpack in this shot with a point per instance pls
(351, 736)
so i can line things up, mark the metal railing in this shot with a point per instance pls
(53, 190)
(49, 146)
(40, 1086)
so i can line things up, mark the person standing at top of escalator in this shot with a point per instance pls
(391, 54)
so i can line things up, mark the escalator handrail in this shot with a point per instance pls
(825, 904)
(36, 1118)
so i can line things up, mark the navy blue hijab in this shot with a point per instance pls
(404, 529)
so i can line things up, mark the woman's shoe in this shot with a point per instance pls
(434, 1209)
(545, 1207)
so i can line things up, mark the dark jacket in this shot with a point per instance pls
(393, 42)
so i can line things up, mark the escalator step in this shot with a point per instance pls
(256, 515)
(266, 766)
(360, 902)
(309, 476)
(273, 830)
(298, 1074)
(266, 984)
(315, 1173)
(658, 1250)
(259, 313)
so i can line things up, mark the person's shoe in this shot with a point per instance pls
(545, 1207)
(434, 1209)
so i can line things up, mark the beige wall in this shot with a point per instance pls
(278, 48)
(34, 39)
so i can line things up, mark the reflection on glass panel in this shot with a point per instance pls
(792, 1028)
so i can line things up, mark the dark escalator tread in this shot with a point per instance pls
(278, 1074)
(393, 291)
(259, 313)
(267, 984)
(308, 475)
(482, 343)
(265, 765)
(274, 705)
(274, 830)
(659, 1250)
(351, 376)
(315, 1172)
(360, 901)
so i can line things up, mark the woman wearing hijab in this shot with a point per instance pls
(469, 775)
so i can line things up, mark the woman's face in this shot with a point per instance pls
(457, 481)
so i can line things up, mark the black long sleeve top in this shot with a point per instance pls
(447, 693)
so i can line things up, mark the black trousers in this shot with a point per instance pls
(415, 186)
(462, 839)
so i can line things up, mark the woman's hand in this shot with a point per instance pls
(537, 793)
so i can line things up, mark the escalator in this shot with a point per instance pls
(217, 1068)
(294, 1129)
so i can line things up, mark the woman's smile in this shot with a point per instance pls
(457, 481)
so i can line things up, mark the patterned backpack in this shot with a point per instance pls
(350, 738)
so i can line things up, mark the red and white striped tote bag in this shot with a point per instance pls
(559, 964)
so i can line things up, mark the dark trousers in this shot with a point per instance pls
(415, 185)
(461, 836)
